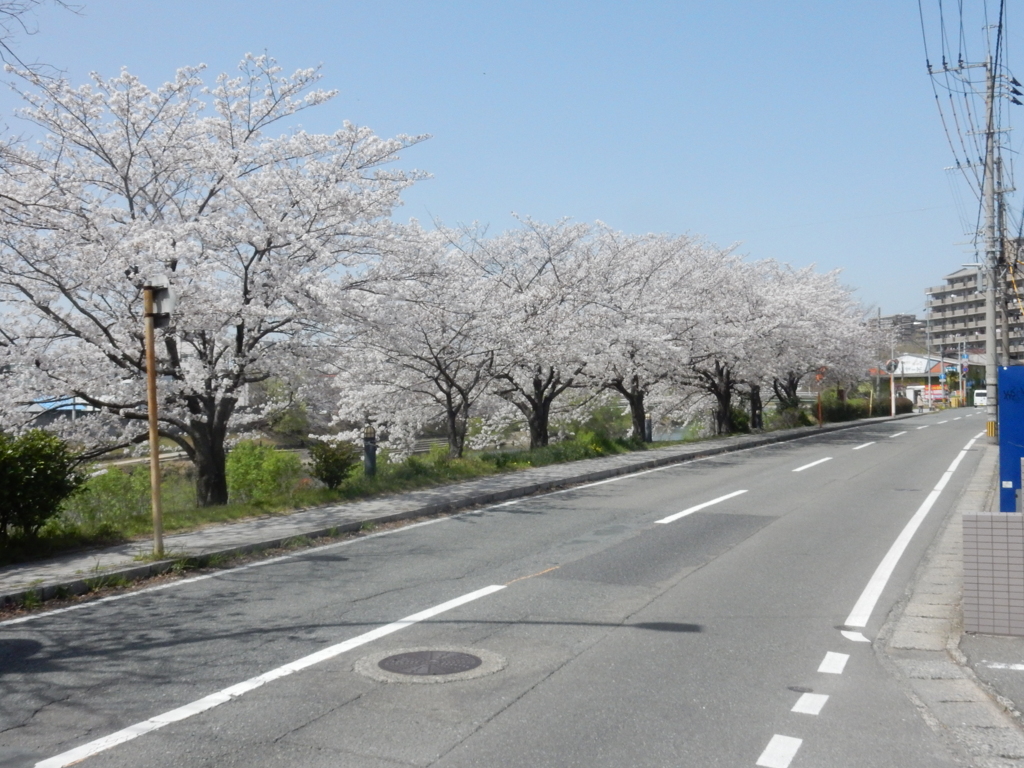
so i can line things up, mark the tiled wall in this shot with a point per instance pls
(994, 573)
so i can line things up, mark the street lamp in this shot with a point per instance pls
(158, 303)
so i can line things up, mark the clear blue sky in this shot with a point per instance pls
(802, 131)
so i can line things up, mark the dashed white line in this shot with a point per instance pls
(958, 418)
(779, 752)
(813, 464)
(856, 637)
(898, 434)
(924, 427)
(220, 697)
(810, 704)
(1004, 665)
(944, 422)
(869, 597)
(834, 663)
(691, 510)
(863, 445)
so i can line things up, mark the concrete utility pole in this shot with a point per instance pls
(991, 270)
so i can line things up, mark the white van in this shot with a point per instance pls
(980, 397)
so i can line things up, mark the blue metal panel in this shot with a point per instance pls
(1011, 434)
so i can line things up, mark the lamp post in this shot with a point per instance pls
(158, 303)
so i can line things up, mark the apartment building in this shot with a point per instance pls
(956, 316)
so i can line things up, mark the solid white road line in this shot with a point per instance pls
(898, 434)
(779, 752)
(225, 572)
(834, 663)
(856, 637)
(864, 445)
(866, 602)
(691, 510)
(813, 464)
(810, 704)
(220, 697)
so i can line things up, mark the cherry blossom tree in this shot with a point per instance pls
(262, 236)
(535, 314)
(649, 301)
(417, 353)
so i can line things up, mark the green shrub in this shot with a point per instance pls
(740, 419)
(259, 473)
(882, 407)
(37, 473)
(787, 418)
(833, 409)
(332, 462)
(110, 499)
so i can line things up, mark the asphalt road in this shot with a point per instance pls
(609, 638)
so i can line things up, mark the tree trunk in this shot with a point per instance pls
(785, 390)
(211, 475)
(721, 388)
(209, 456)
(538, 419)
(756, 408)
(634, 395)
(535, 403)
(457, 420)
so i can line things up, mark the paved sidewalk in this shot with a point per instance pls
(922, 645)
(76, 572)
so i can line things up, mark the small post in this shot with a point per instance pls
(154, 434)
(648, 429)
(369, 451)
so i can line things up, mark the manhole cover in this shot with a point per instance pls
(430, 663)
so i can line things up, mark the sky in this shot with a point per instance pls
(801, 131)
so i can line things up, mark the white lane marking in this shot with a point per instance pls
(834, 663)
(898, 434)
(205, 576)
(856, 637)
(691, 510)
(779, 752)
(958, 418)
(924, 427)
(813, 464)
(810, 704)
(944, 422)
(1004, 665)
(866, 602)
(220, 697)
(865, 445)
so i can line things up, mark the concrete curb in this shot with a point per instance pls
(614, 466)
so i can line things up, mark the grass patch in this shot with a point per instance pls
(114, 507)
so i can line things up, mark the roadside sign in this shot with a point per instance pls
(892, 366)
